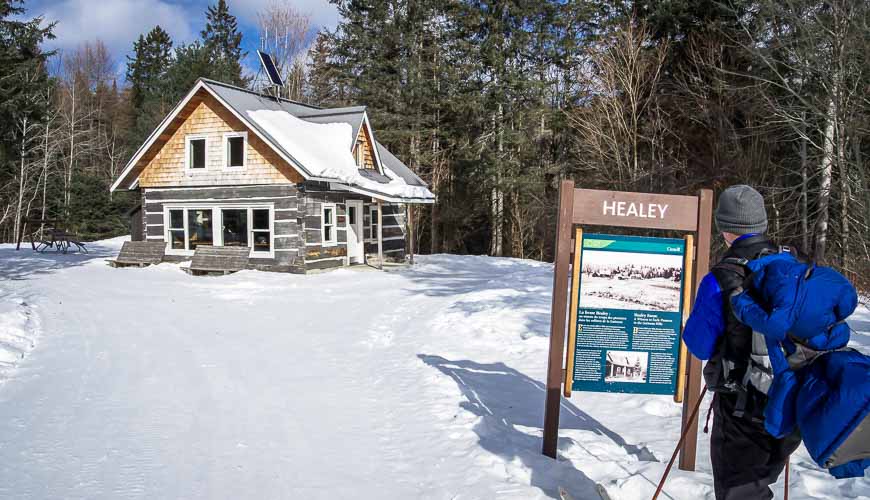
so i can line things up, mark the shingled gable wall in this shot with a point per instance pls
(208, 117)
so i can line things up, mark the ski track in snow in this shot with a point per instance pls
(420, 383)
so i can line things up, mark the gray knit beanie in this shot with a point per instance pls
(741, 211)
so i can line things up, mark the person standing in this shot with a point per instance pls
(746, 460)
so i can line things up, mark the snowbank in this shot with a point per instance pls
(324, 149)
(19, 327)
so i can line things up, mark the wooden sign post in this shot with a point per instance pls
(580, 207)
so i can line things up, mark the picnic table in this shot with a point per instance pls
(53, 236)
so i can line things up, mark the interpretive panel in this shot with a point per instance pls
(629, 308)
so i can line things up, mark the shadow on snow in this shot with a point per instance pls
(526, 285)
(24, 263)
(505, 398)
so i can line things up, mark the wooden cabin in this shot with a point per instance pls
(622, 367)
(301, 186)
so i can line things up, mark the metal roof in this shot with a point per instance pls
(391, 162)
(240, 101)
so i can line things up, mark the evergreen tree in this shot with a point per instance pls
(222, 40)
(24, 84)
(322, 85)
(22, 70)
(151, 97)
(192, 61)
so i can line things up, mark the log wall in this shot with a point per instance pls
(289, 247)
(319, 257)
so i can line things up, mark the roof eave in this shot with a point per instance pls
(382, 196)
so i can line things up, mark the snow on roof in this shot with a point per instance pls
(325, 151)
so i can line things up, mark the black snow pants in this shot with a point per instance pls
(746, 459)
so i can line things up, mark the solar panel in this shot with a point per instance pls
(271, 70)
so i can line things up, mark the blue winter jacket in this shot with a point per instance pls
(830, 397)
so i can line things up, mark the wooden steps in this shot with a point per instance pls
(223, 260)
(139, 254)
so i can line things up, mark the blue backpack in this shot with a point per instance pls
(797, 310)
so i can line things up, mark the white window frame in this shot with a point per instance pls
(323, 241)
(194, 137)
(373, 222)
(226, 141)
(360, 159)
(168, 231)
(251, 231)
(217, 225)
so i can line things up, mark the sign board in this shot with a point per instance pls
(646, 339)
(626, 314)
(645, 210)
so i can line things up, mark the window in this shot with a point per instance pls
(328, 224)
(351, 215)
(260, 229)
(359, 155)
(235, 227)
(232, 226)
(199, 228)
(374, 217)
(176, 229)
(234, 148)
(196, 153)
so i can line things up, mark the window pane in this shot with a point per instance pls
(327, 216)
(236, 151)
(235, 228)
(261, 241)
(176, 219)
(261, 219)
(199, 228)
(197, 153)
(327, 233)
(351, 215)
(176, 237)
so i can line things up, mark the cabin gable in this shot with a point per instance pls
(203, 117)
(363, 150)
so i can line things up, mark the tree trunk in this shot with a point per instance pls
(434, 233)
(821, 228)
(22, 175)
(804, 208)
(497, 193)
(845, 197)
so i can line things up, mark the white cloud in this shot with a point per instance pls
(323, 13)
(118, 23)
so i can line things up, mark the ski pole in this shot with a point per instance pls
(680, 443)
(785, 497)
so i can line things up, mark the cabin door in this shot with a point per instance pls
(355, 251)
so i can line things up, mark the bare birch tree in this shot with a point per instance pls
(283, 33)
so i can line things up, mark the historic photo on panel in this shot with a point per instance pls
(629, 280)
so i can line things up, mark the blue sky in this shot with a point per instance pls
(118, 23)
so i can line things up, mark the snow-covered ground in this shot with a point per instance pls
(420, 383)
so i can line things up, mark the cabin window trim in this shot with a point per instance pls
(360, 160)
(217, 225)
(226, 150)
(333, 226)
(187, 164)
(373, 223)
